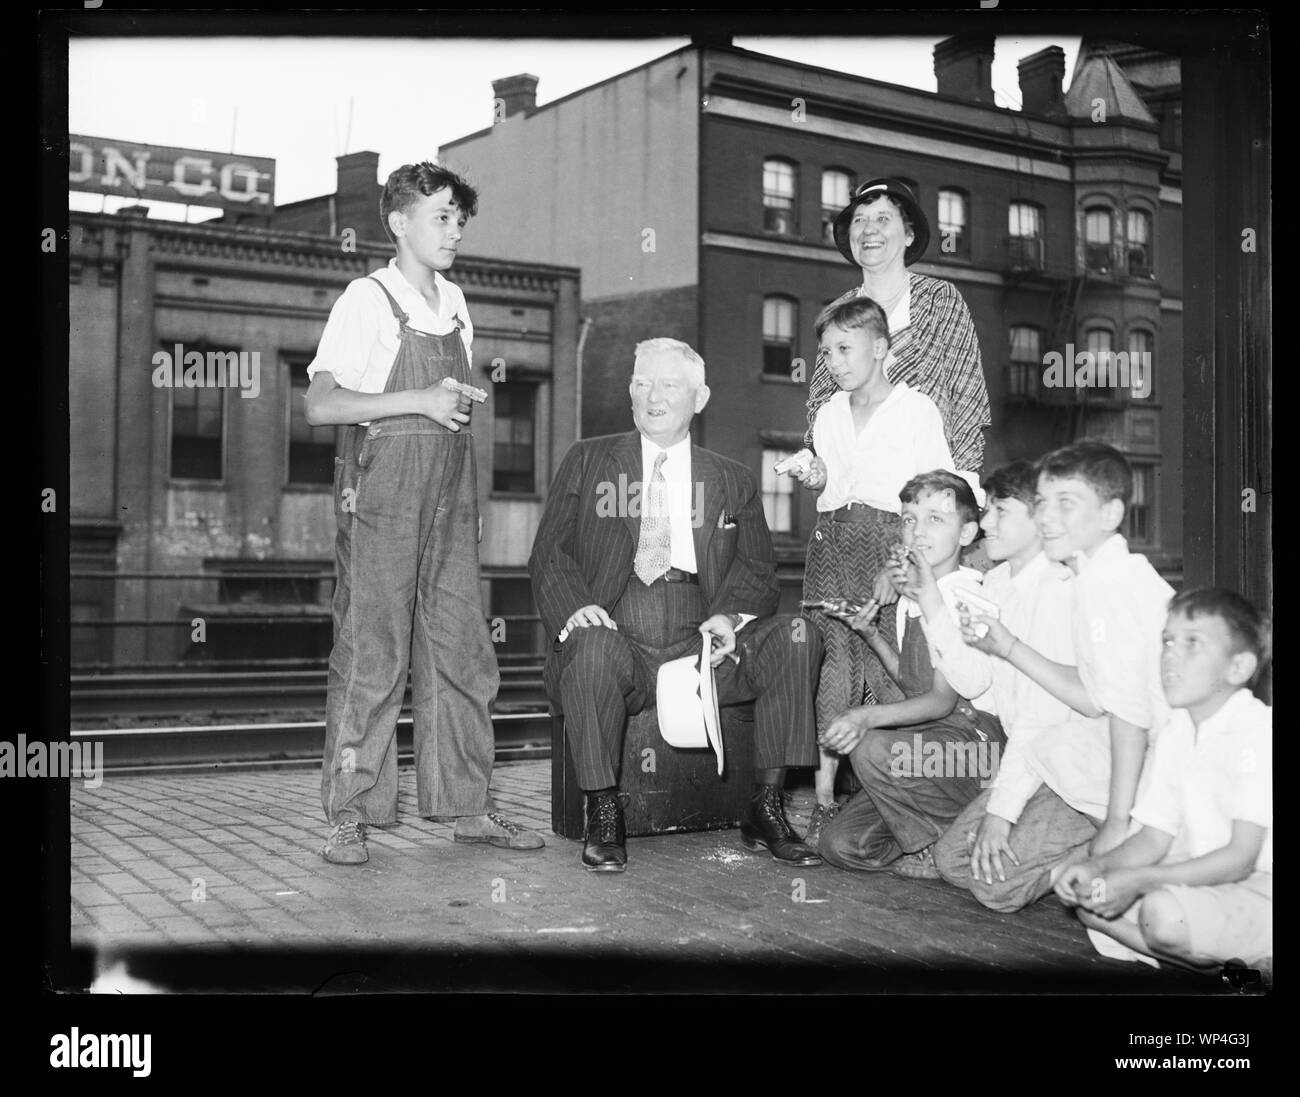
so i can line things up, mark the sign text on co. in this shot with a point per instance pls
(192, 176)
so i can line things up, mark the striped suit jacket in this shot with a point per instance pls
(584, 552)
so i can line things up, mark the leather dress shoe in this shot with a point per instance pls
(765, 827)
(605, 843)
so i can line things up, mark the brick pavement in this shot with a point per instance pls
(231, 859)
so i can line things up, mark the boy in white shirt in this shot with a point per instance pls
(1120, 604)
(407, 594)
(1195, 885)
(922, 759)
(1007, 841)
(871, 437)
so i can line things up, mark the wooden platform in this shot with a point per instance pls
(187, 874)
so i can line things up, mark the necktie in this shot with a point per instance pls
(653, 551)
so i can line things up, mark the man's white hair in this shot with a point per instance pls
(663, 345)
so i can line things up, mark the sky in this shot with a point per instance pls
(304, 101)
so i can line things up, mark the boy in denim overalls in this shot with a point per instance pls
(407, 546)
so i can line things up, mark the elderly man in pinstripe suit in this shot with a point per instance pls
(647, 543)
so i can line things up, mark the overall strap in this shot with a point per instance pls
(402, 318)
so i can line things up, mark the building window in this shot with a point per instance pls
(1139, 521)
(1025, 236)
(1141, 363)
(198, 435)
(1139, 243)
(1099, 342)
(837, 188)
(778, 335)
(954, 239)
(779, 197)
(1026, 361)
(1097, 234)
(514, 450)
(778, 493)
(311, 449)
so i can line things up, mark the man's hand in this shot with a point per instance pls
(587, 616)
(1074, 883)
(443, 405)
(988, 846)
(1111, 894)
(814, 476)
(998, 640)
(723, 628)
(847, 730)
(1111, 834)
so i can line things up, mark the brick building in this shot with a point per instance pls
(695, 194)
(204, 502)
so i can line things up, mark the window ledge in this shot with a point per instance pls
(180, 482)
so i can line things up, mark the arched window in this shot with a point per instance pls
(779, 197)
(1098, 233)
(954, 222)
(779, 325)
(1025, 236)
(1139, 518)
(837, 187)
(1138, 239)
(1141, 363)
(1026, 361)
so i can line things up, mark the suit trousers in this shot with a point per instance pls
(598, 677)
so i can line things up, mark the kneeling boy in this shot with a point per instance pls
(1195, 885)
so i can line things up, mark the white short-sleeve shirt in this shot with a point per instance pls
(1204, 778)
(360, 340)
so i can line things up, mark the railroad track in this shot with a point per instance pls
(277, 744)
(183, 695)
(160, 721)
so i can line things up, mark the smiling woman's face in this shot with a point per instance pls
(878, 235)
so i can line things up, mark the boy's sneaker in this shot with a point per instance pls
(821, 815)
(495, 829)
(917, 866)
(347, 845)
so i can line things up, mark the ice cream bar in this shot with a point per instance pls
(477, 395)
(800, 460)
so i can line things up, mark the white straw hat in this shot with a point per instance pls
(688, 704)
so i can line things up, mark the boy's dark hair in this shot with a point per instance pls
(410, 181)
(856, 312)
(1249, 627)
(1101, 467)
(1018, 480)
(926, 483)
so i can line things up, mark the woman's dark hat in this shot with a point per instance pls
(902, 194)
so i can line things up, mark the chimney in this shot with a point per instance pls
(963, 68)
(1041, 75)
(356, 197)
(514, 95)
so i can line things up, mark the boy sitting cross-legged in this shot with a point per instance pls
(1195, 884)
(919, 760)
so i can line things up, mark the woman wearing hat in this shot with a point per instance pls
(933, 345)
(933, 351)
